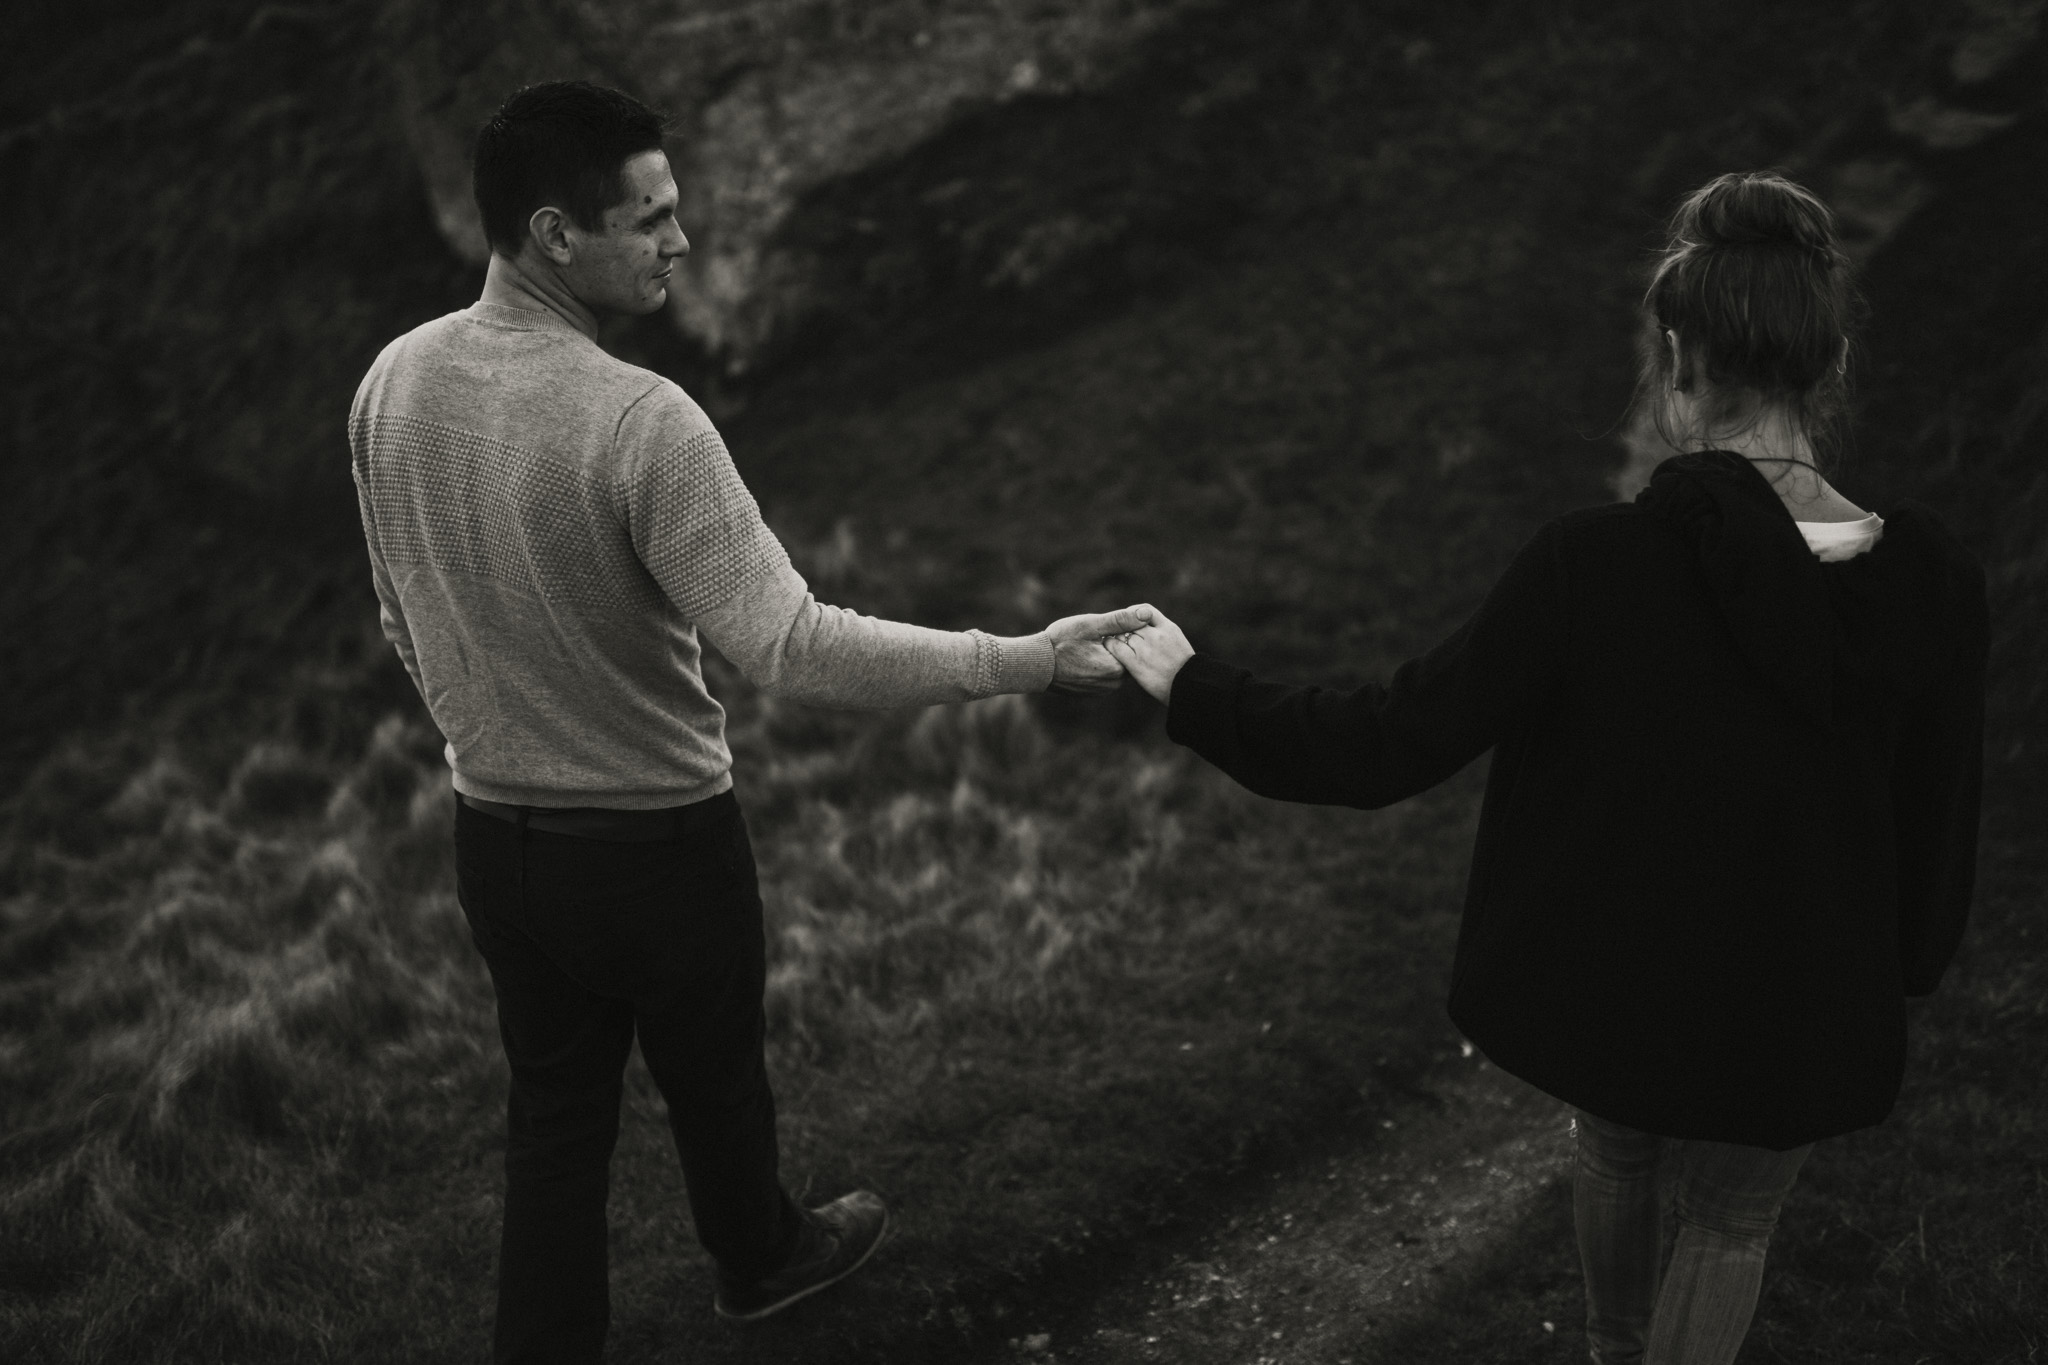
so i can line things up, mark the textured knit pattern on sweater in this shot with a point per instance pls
(549, 528)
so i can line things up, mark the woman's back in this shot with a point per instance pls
(1730, 816)
(1696, 901)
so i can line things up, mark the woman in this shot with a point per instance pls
(1731, 818)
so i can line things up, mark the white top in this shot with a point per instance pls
(1831, 541)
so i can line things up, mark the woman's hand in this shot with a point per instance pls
(1153, 653)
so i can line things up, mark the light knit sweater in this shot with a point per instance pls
(550, 528)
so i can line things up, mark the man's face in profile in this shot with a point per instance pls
(624, 267)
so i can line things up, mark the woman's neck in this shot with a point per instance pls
(1782, 454)
(1778, 448)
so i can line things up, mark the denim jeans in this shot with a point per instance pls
(1726, 1199)
(590, 943)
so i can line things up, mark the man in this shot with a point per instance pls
(549, 530)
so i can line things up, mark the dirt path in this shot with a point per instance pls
(1314, 1265)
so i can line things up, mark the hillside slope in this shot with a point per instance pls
(1308, 245)
(1297, 328)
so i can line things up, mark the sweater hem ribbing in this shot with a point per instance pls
(557, 798)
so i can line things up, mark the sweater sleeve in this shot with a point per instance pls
(1936, 790)
(700, 534)
(791, 645)
(390, 616)
(1375, 745)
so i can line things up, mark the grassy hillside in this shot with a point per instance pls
(1297, 333)
(224, 231)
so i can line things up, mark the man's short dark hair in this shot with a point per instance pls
(559, 143)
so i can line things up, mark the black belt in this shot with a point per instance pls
(613, 826)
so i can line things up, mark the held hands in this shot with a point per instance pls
(1153, 653)
(1080, 663)
(1092, 653)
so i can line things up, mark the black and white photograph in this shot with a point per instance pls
(1024, 682)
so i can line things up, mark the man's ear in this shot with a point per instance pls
(549, 228)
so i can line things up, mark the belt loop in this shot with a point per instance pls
(524, 813)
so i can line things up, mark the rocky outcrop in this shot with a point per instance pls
(770, 99)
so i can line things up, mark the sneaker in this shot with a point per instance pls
(838, 1238)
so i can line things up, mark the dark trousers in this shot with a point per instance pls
(590, 942)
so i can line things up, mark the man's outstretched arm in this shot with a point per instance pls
(697, 529)
(791, 645)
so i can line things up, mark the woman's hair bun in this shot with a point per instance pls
(1754, 208)
(1751, 305)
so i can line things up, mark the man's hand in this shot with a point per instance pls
(1079, 661)
(1153, 653)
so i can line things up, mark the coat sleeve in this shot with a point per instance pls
(1376, 745)
(1936, 791)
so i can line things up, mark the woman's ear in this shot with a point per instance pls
(1677, 361)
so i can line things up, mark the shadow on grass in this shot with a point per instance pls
(1495, 1310)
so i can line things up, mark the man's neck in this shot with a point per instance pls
(510, 283)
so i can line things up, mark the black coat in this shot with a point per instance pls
(1731, 821)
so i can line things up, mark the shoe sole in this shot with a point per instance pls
(811, 1289)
